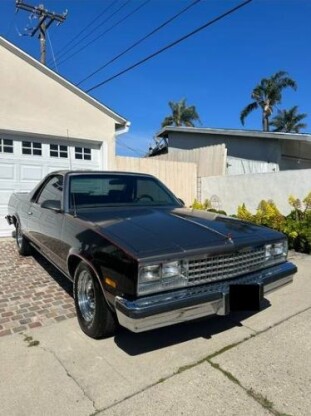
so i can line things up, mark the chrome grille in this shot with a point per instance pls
(210, 269)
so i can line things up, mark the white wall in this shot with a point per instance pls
(37, 101)
(229, 192)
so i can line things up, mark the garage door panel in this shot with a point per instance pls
(53, 168)
(21, 173)
(85, 165)
(4, 197)
(31, 173)
(6, 230)
(7, 171)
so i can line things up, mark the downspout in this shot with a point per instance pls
(124, 129)
(118, 132)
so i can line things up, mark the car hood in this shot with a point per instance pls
(151, 232)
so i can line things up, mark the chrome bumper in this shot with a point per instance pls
(195, 302)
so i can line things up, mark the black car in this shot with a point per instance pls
(138, 257)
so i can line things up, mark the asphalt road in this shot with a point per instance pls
(245, 364)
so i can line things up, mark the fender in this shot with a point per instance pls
(77, 254)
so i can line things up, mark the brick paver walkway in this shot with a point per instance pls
(32, 292)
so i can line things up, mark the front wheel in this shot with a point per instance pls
(94, 315)
(23, 246)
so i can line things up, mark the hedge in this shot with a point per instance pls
(296, 225)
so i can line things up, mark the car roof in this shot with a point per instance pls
(99, 172)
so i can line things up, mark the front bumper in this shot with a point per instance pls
(165, 309)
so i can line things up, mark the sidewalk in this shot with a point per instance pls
(243, 365)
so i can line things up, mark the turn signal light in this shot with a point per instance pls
(110, 282)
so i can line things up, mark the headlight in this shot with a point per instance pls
(163, 276)
(171, 269)
(276, 252)
(151, 273)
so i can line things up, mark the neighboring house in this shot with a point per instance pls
(46, 123)
(241, 166)
(247, 151)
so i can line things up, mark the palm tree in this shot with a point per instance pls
(289, 121)
(181, 114)
(266, 95)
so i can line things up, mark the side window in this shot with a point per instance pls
(52, 190)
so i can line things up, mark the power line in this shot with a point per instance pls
(140, 41)
(106, 31)
(78, 42)
(62, 50)
(137, 151)
(176, 42)
(52, 50)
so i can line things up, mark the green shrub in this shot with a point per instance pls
(199, 205)
(296, 225)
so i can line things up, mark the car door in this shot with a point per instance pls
(46, 219)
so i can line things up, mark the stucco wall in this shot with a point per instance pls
(228, 192)
(32, 100)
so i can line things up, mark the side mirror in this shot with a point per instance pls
(51, 204)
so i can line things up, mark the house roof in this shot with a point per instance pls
(120, 121)
(235, 133)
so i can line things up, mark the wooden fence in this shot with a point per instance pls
(211, 160)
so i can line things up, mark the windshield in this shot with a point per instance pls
(103, 190)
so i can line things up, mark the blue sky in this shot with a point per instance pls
(215, 70)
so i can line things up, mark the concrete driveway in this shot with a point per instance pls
(245, 364)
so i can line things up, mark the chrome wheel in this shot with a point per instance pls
(19, 237)
(86, 296)
(95, 317)
(22, 244)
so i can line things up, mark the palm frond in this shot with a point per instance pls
(267, 94)
(168, 121)
(182, 115)
(289, 120)
(247, 110)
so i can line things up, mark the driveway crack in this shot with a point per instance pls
(69, 375)
(258, 397)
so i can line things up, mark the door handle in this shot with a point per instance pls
(29, 213)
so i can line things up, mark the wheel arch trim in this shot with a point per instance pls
(74, 253)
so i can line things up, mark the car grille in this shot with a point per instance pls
(210, 269)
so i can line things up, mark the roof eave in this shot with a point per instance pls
(164, 132)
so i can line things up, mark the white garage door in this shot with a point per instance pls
(24, 162)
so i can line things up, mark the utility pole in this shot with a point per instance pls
(46, 18)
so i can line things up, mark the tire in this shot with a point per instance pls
(94, 315)
(23, 245)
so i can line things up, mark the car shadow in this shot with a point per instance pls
(144, 342)
(54, 273)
